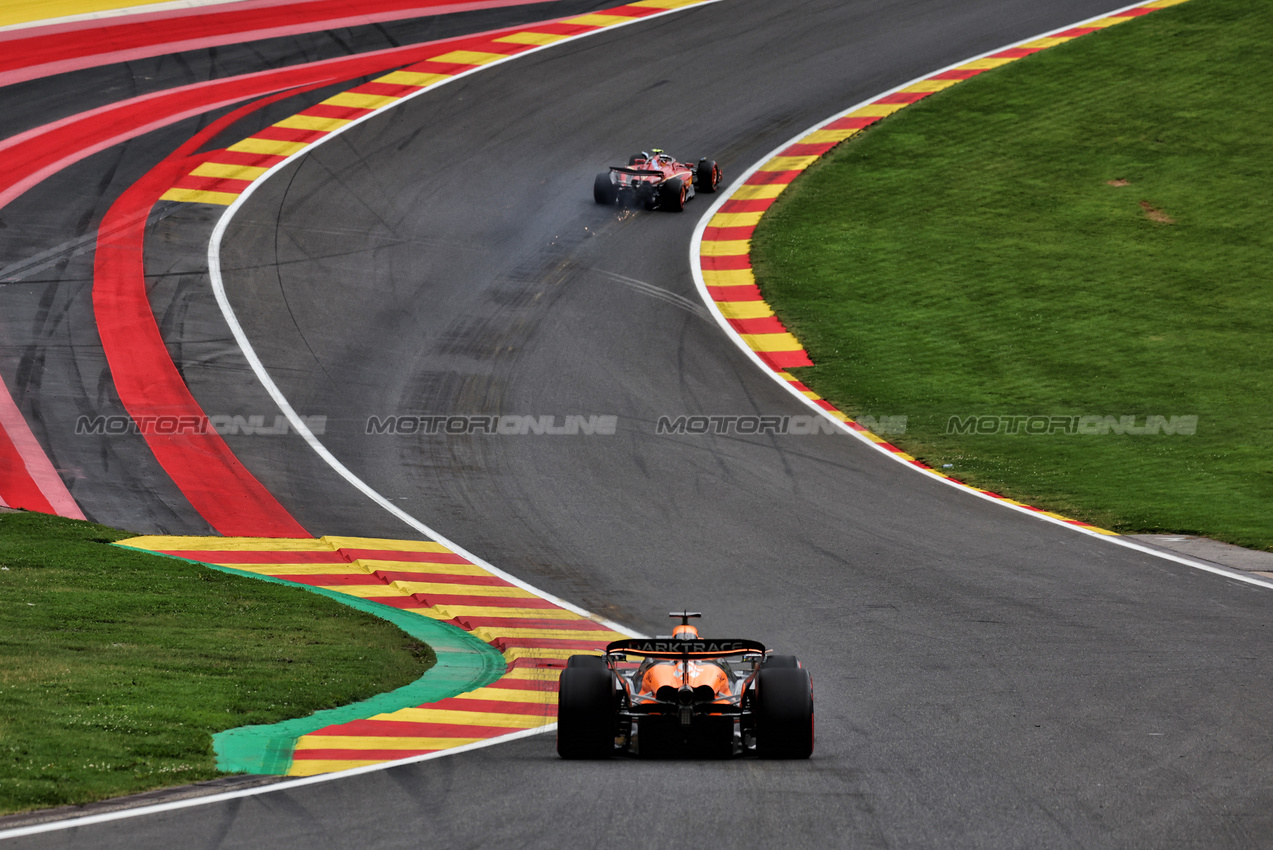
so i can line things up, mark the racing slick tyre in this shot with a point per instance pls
(585, 710)
(632, 160)
(672, 195)
(780, 661)
(603, 189)
(784, 713)
(707, 176)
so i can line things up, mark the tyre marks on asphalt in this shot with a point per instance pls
(225, 174)
(150, 387)
(534, 635)
(724, 252)
(209, 475)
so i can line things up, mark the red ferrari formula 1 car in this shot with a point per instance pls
(655, 181)
(685, 696)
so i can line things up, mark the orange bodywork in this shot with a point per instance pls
(674, 674)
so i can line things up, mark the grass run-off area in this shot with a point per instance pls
(117, 666)
(1086, 232)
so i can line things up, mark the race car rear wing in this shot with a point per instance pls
(671, 648)
(637, 172)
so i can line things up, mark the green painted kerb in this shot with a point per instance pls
(464, 663)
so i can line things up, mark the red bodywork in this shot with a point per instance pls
(655, 181)
(655, 170)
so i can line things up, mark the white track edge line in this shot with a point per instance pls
(299, 425)
(159, 808)
(696, 269)
(393, 509)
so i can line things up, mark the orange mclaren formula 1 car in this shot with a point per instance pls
(685, 695)
(655, 180)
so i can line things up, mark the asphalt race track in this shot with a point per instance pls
(983, 678)
(50, 355)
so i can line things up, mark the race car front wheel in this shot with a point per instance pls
(783, 704)
(707, 176)
(586, 710)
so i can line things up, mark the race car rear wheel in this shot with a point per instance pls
(783, 704)
(603, 189)
(586, 717)
(780, 661)
(673, 194)
(707, 176)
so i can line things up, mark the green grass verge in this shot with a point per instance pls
(1083, 232)
(117, 666)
